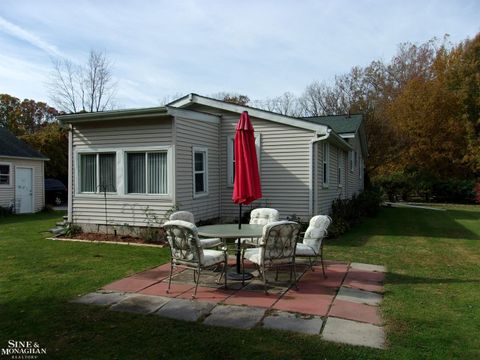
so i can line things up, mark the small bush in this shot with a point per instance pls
(426, 187)
(4, 211)
(346, 213)
(72, 229)
(152, 235)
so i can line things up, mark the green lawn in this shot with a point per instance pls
(431, 307)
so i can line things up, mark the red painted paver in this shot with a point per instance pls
(361, 275)
(252, 298)
(208, 294)
(160, 289)
(364, 285)
(310, 304)
(130, 284)
(333, 279)
(357, 312)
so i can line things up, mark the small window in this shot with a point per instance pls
(98, 172)
(231, 156)
(350, 157)
(147, 173)
(326, 163)
(4, 174)
(200, 172)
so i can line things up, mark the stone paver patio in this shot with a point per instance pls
(341, 308)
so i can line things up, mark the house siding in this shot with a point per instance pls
(7, 193)
(284, 167)
(355, 183)
(325, 195)
(121, 209)
(190, 134)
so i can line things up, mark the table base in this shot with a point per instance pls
(233, 275)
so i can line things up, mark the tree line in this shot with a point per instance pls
(421, 108)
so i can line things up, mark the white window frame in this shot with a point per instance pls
(325, 164)
(230, 152)
(97, 165)
(10, 167)
(204, 150)
(122, 184)
(146, 193)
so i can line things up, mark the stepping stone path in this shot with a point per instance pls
(342, 308)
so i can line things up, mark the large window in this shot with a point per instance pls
(98, 173)
(4, 174)
(231, 157)
(200, 171)
(326, 163)
(147, 172)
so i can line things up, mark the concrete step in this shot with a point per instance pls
(65, 218)
(57, 231)
(61, 223)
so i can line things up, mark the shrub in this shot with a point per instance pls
(346, 213)
(72, 229)
(477, 192)
(4, 211)
(426, 187)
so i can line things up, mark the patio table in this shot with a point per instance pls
(231, 231)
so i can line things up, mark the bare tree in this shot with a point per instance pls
(91, 87)
(285, 104)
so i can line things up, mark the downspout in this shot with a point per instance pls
(70, 173)
(312, 169)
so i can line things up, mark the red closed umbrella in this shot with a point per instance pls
(246, 187)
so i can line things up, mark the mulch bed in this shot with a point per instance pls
(110, 237)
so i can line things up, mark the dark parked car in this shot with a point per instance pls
(55, 192)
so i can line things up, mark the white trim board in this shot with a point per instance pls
(258, 113)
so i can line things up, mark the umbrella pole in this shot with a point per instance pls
(240, 217)
(239, 240)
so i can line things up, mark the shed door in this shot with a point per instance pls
(23, 190)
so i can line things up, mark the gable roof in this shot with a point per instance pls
(12, 146)
(255, 112)
(341, 124)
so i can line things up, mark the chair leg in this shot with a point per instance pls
(264, 276)
(295, 276)
(321, 259)
(225, 273)
(311, 264)
(170, 277)
(243, 271)
(196, 284)
(276, 274)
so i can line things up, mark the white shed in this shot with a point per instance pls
(22, 185)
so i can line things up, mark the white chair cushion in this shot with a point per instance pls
(263, 216)
(304, 250)
(212, 257)
(253, 255)
(316, 231)
(209, 243)
(184, 216)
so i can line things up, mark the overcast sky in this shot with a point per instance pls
(258, 48)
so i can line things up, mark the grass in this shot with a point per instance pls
(431, 307)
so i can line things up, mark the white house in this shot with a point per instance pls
(21, 175)
(149, 160)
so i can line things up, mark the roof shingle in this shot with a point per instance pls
(10, 145)
(341, 124)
